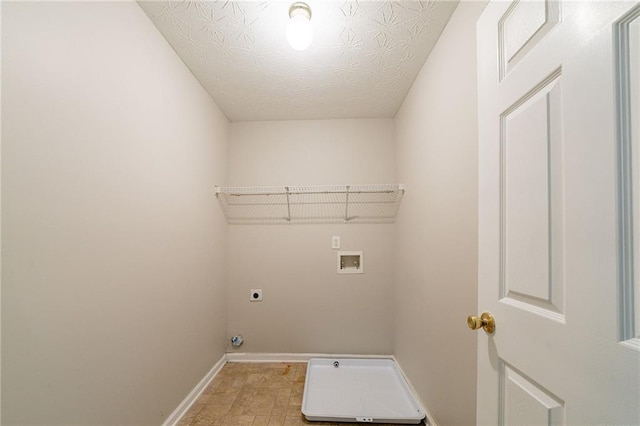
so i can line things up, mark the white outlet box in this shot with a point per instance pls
(256, 295)
(335, 242)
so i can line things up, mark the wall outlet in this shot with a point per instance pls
(335, 242)
(256, 295)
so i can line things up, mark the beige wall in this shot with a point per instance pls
(436, 267)
(115, 298)
(113, 277)
(307, 306)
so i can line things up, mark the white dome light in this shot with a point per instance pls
(300, 30)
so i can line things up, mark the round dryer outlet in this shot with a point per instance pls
(256, 295)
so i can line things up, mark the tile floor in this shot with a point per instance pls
(253, 394)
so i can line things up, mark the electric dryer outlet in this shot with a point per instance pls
(256, 295)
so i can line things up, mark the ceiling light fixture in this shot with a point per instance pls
(300, 30)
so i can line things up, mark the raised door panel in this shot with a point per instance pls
(532, 187)
(634, 105)
(627, 41)
(525, 402)
(523, 25)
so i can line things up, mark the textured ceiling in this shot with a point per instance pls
(362, 62)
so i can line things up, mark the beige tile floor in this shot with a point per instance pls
(253, 394)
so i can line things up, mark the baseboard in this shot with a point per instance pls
(431, 421)
(195, 393)
(293, 357)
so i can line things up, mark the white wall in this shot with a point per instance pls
(307, 306)
(113, 277)
(436, 268)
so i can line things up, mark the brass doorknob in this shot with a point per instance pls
(485, 321)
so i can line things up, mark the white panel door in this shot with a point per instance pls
(558, 216)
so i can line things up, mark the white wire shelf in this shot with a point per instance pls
(310, 204)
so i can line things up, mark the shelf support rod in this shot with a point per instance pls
(288, 205)
(346, 207)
